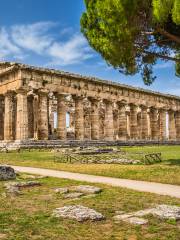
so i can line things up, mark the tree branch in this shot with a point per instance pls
(169, 35)
(162, 56)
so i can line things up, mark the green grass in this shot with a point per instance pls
(166, 172)
(29, 216)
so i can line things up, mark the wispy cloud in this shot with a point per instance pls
(34, 37)
(73, 51)
(39, 38)
(7, 47)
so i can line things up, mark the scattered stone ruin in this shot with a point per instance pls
(31, 98)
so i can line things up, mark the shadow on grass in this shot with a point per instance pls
(173, 162)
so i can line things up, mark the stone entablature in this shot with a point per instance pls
(98, 109)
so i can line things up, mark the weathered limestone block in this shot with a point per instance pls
(22, 116)
(73, 195)
(7, 173)
(61, 190)
(87, 189)
(61, 117)
(78, 212)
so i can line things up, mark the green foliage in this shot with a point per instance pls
(162, 9)
(125, 32)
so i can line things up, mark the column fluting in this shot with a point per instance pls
(43, 116)
(108, 122)
(61, 117)
(79, 118)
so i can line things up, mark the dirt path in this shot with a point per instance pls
(158, 188)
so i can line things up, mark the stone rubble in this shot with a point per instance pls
(75, 192)
(119, 161)
(136, 220)
(61, 190)
(73, 195)
(78, 212)
(87, 189)
(7, 173)
(15, 187)
(162, 211)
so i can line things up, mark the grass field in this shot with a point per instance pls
(168, 171)
(29, 216)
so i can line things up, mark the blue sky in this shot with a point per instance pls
(47, 33)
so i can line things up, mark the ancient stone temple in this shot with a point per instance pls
(44, 104)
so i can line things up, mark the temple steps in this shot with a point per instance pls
(51, 144)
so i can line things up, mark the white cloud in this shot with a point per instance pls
(39, 38)
(33, 37)
(7, 47)
(73, 51)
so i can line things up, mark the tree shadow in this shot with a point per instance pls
(172, 162)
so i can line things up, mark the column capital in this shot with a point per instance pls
(171, 111)
(76, 97)
(121, 103)
(143, 107)
(22, 91)
(107, 101)
(43, 92)
(94, 99)
(58, 94)
(133, 106)
(9, 93)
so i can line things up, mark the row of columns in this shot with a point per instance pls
(30, 117)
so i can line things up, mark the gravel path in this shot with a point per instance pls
(158, 188)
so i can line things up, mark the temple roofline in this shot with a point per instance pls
(11, 66)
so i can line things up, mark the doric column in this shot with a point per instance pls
(71, 119)
(1, 117)
(122, 121)
(61, 117)
(51, 117)
(133, 122)
(36, 116)
(162, 124)
(177, 123)
(43, 116)
(30, 116)
(144, 123)
(79, 118)
(22, 115)
(172, 129)
(8, 117)
(94, 119)
(108, 122)
(154, 124)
